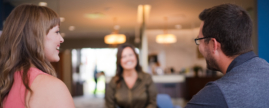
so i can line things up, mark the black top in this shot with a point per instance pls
(211, 96)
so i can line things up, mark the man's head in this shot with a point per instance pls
(227, 26)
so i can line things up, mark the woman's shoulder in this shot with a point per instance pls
(46, 81)
(34, 72)
(48, 90)
(145, 75)
(113, 80)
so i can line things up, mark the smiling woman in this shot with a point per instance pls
(130, 88)
(29, 42)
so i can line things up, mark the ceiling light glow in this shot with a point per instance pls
(62, 19)
(71, 28)
(42, 4)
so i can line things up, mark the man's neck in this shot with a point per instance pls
(224, 63)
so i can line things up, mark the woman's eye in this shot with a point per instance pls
(57, 32)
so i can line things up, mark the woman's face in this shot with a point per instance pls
(52, 44)
(128, 59)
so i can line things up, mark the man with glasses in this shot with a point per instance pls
(225, 42)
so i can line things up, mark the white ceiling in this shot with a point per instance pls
(183, 12)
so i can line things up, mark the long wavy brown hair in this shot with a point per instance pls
(119, 69)
(22, 44)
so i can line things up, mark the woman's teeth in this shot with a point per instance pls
(58, 48)
(129, 63)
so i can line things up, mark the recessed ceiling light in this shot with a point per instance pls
(116, 27)
(62, 19)
(42, 4)
(71, 28)
(96, 15)
(63, 34)
(178, 26)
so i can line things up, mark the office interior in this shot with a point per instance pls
(176, 66)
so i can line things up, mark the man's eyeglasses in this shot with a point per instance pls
(197, 40)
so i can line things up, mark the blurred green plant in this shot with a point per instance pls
(196, 68)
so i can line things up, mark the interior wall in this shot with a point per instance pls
(67, 78)
(253, 15)
(180, 55)
(78, 43)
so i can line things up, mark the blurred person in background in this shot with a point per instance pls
(131, 87)
(96, 76)
(30, 41)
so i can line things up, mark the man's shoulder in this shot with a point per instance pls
(210, 96)
(211, 87)
(250, 67)
(257, 62)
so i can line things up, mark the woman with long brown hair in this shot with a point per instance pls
(131, 87)
(29, 42)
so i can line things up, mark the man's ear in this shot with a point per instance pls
(216, 45)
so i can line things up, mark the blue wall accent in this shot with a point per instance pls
(263, 29)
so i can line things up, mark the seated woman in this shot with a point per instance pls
(131, 87)
(29, 42)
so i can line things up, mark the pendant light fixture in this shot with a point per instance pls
(115, 38)
(166, 38)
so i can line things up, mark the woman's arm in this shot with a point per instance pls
(109, 95)
(152, 92)
(49, 92)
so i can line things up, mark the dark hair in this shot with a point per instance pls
(119, 69)
(230, 25)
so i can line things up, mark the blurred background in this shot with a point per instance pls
(163, 32)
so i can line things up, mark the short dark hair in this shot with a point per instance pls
(230, 25)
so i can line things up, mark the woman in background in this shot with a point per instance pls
(29, 42)
(130, 88)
